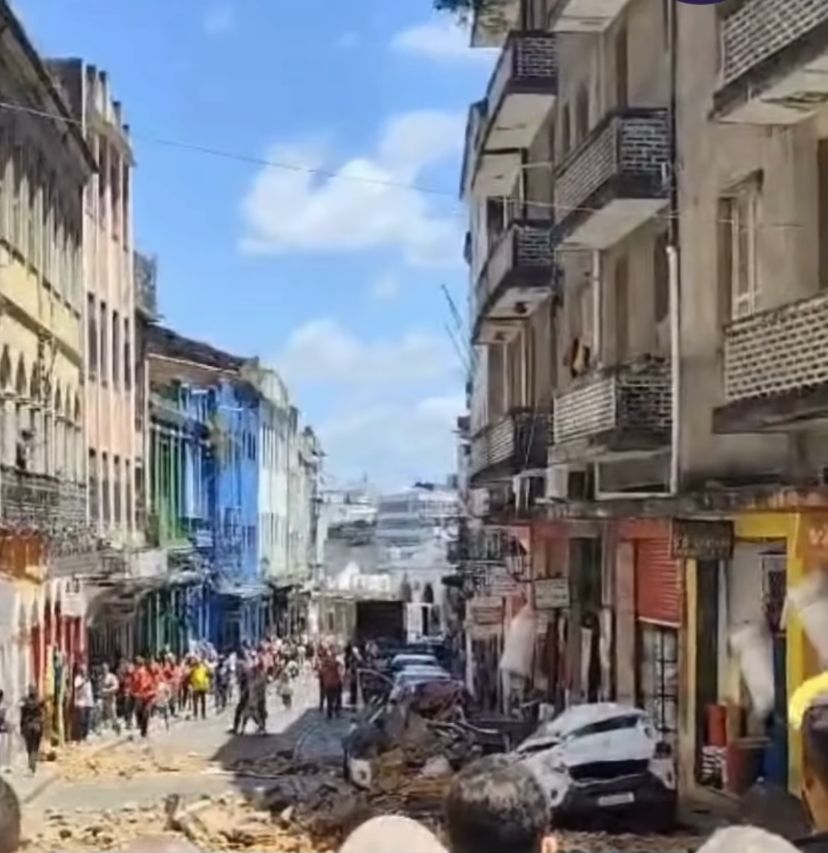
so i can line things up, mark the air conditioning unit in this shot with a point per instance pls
(557, 482)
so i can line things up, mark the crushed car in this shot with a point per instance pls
(603, 763)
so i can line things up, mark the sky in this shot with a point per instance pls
(333, 275)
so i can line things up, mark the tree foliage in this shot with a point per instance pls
(464, 8)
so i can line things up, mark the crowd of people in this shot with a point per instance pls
(128, 694)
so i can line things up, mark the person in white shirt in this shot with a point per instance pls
(84, 701)
(109, 694)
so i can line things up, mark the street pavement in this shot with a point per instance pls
(301, 730)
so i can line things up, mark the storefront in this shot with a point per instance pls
(649, 618)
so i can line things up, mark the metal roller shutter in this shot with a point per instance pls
(657, 583)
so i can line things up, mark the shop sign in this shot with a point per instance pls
(499, 583)
(813, 538)
(487, 611)
(552, 594)
(701, 540)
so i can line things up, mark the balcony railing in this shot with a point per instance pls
(523, 258)
(38, 502)
(601, 186)
(777, 352)
(773, 60)
(515, 443)
(146, 276)
(634, 397)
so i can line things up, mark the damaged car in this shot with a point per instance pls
(604, 763)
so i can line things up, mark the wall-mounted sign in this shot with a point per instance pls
(551, 593)
(486, 611)
(500, 583)
(701, 540)
(813, 537)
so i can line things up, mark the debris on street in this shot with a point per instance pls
(79, 763)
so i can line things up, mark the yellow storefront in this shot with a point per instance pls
(783, 529)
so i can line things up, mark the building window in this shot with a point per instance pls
(94, 503)
(105, 493)
(48, 216)
(661, 278)
(116, 492)
(116, 349)
(92, 334)
(622, 308)
(127, 357)
(104, 344)
(17, 193)
(737, 217)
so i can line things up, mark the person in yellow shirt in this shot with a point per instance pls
(200, 687)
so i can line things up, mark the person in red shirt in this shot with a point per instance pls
(171, 676)
(143, 689)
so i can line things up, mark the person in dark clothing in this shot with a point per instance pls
(32, 715)
(815, 775)
(244, 695)
(496, 807)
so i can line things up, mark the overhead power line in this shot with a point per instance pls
(252, 159)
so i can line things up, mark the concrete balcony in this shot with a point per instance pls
(776, 369)
(515, 443)
(624, 411)
(584, 16)
(615, 181)
(517, 276)
(774, 60)
(521, 94)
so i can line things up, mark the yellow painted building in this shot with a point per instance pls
(749, 527)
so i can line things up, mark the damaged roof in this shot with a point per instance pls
(165, 342)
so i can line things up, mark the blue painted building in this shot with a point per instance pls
(203, 492)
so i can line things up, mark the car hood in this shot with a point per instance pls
(619, 745)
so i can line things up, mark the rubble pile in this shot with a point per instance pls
(219, 824)
(599, 842)
(79, 764)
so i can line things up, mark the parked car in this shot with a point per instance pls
(603, 762)
(405, 660)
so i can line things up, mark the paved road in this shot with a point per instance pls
(301, 730)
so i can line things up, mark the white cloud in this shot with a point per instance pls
(324, 351)
(395, 445)
(219, 19)
(386, 287)
(348, 40)
(440, 40)
(366, 203)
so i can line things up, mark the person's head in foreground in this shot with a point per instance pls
(390, 832)
(815, 764)
(496, 807)
(746, 839)
(9, 818)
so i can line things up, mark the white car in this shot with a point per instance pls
(404, 661)
(603, 761)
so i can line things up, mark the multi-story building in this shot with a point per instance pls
(45, 164)
(646, 192)
(112, 443)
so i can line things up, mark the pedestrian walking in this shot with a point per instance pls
(143, 688)
(222, 684)
(331, 678)
(200, 687)
(109, 699)
(32, 715)
(256, 705)
(83, 702)
(285, 686)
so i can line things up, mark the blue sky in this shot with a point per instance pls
(335, 282)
